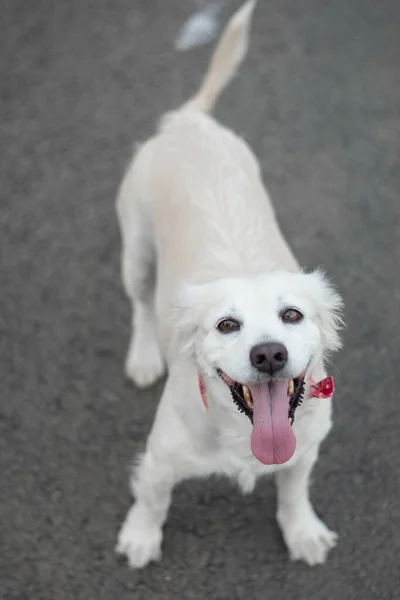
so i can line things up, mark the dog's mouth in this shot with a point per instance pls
(271, 408)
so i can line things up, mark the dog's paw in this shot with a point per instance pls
(144, 366)
(140, 544)
(307, 539)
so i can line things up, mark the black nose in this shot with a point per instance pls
(269, 358)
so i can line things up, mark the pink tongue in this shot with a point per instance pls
(272, 440)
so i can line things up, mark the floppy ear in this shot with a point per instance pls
(329, 309)
(187, 312)
(184, 317)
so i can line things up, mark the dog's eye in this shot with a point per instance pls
(291, 315)
(228, 326)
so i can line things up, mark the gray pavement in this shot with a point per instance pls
(318, 99)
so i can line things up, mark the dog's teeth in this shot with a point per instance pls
(248, 397)
(290, 388)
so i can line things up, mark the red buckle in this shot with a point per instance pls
(322, 389)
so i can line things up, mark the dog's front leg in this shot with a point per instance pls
(141, 535)
(173, 453)
(306, 536)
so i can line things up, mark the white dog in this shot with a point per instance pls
(230, 313)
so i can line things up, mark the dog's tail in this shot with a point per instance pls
(226, 60)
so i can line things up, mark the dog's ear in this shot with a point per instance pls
(329, 306)
(191, 306)
(187, 312)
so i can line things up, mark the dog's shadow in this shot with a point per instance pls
(212, 523)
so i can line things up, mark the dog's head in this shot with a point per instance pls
(261, 336)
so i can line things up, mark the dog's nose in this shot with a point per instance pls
(269, 358)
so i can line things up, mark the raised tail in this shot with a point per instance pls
(226, 60)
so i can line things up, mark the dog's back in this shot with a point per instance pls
(199, 186)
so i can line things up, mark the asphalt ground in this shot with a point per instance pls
(318, 99)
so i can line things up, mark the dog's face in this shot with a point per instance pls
(224, 321)
(261, 336)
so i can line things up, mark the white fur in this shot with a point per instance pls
(193, 200)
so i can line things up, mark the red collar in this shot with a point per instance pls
(318, 389)
(202, 388)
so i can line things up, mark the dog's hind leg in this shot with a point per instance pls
(144, 362)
